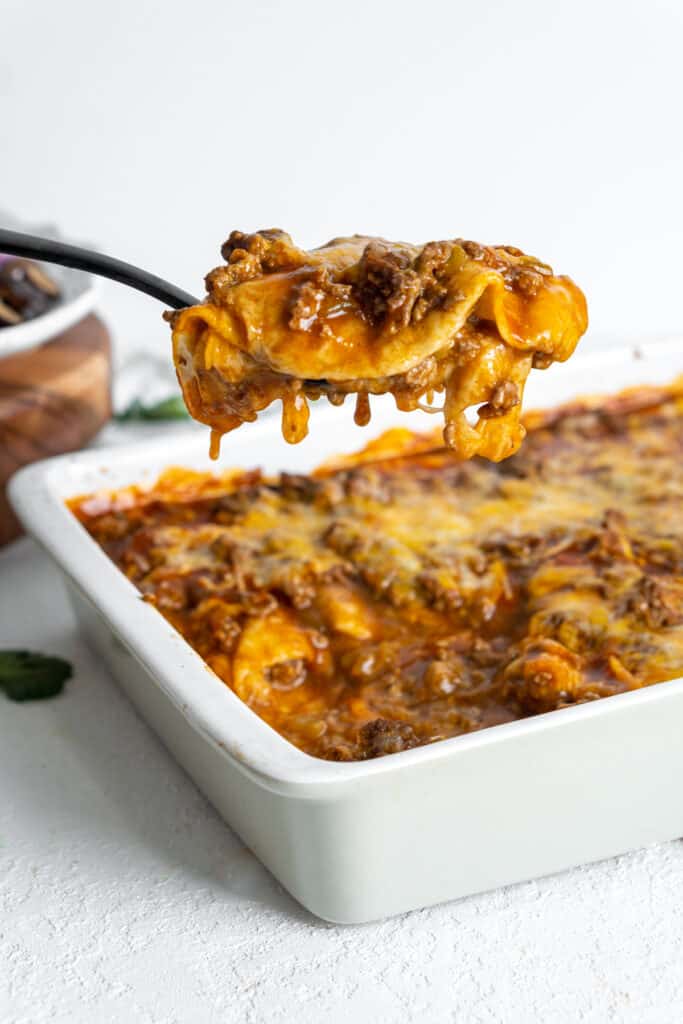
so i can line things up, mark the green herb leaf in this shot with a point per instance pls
(172, 408)
(25, 675)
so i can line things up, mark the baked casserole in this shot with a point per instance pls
(405, 594)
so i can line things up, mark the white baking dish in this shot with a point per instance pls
(358, 841)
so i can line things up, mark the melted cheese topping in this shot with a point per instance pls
(365, 316)
(400, 596)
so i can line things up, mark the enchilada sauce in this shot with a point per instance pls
(403, 595)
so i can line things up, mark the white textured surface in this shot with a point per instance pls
(124, 898)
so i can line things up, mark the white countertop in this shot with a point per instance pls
(123, 897)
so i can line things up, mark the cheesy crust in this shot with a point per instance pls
(401, 596)
(365, 316)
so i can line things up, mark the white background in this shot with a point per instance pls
(152, 130)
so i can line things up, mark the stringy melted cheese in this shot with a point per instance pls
(364, 316)
(400, 596)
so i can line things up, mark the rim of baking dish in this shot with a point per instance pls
(38, 493)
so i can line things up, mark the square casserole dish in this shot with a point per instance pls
(362, 840)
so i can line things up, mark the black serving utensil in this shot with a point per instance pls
(16, 243)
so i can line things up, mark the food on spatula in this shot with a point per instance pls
(366, 316)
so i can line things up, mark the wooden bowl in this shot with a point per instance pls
(53, 399)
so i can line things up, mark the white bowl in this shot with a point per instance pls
(79, 293)
(357, 841)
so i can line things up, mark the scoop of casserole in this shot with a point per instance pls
(366, 316)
